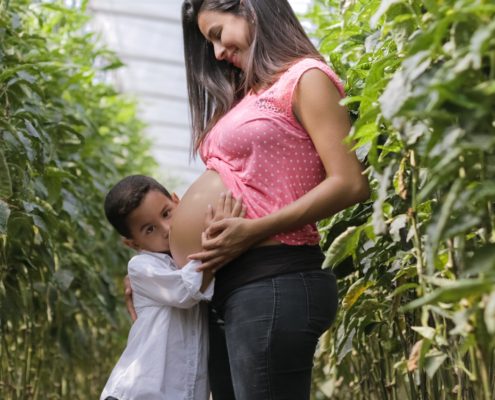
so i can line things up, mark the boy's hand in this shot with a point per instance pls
(128, 298)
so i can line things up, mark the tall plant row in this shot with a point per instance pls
(65, 136)
(416, 263)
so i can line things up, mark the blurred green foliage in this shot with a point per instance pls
(65, 137)
(416, 264)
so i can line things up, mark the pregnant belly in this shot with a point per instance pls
(189, 216)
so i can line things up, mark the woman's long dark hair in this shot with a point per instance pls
(278, 40)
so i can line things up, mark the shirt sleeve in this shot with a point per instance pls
(159, 281)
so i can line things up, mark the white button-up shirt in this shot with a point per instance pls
(167, 348)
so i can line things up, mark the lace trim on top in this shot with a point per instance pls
(278, 98)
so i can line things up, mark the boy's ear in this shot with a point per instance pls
(130, 243)
(175, 198)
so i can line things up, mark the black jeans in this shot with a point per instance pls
(263, 337)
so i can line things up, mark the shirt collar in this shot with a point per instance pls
(161, 256)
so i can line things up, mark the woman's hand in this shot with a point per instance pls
(219, 244)
(128, 298)
(227, 207)
(223, 241)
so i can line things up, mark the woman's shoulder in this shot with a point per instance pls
(280, 95)
(307, 63)
(294, 73)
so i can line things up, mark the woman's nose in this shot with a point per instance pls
(219, 51)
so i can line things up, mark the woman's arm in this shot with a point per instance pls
(316, 106)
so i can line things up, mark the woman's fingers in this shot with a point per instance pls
(216, 228)
(203, 256)
(237, 208)
(128, 298)
(227, 206)
(209, 216)
(213, 265)
(220, 206)
(207, 242)
(209, 255)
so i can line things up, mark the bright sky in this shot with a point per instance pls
(299, 6)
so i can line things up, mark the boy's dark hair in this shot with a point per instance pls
(125, 197)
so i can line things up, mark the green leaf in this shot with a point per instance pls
(384, 6)
(425, 331)
(5, 181)
(346, 346)
(479, 42)
(433, 361)
(453, 293)
(26, 76)
(15, 21)
(378, 219)
(482, 261)
(397, 224)
(399, 89)
(355, 292)
(404, 288)
(32, 130)
(437, 227)
(489, 314)
(343, 246)
(63, 278)
(4, 216)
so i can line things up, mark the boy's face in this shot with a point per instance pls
(149, 224)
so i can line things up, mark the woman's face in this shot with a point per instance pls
(229, 35)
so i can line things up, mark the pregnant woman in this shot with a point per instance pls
(267, 122)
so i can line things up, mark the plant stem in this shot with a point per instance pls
(418, 250)
(483, 374)
(424, 392)
(383, 370)
(412, 390)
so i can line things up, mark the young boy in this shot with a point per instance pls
(166, 353)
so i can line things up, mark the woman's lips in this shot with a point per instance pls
(234, 59)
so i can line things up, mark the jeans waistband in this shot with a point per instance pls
(264, 262)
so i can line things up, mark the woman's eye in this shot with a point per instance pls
(150, 229)
(166, 214)
(217, 35)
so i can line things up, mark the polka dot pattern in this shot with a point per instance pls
(262, 153)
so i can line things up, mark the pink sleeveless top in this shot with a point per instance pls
(262, 152)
